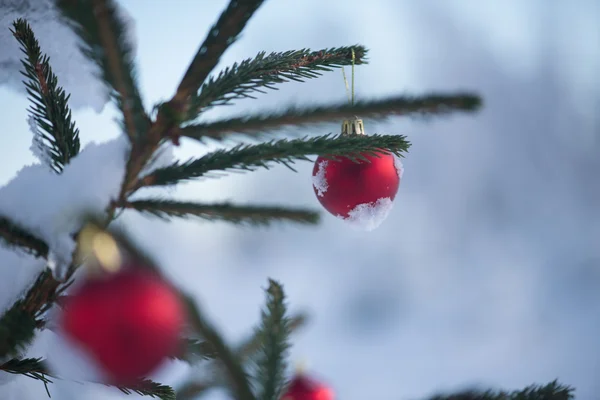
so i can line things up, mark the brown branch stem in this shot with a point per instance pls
(109, 43)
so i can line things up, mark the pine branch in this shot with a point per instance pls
(103, 41)
(251, 346)
(42, 295)
(18, 324)
(275, 331)
(195, 349)
(284, 151)
(251, 75)
(50, 110)
(36, 368)
(258, 125)
(222, 35)
(193, 388)
(238, 376)
(252, 215)
(17, 330)
(170, 114)
(13, 235)
(150, 388)
(30, 367)
(551, 391)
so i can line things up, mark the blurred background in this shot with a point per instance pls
(486, 273)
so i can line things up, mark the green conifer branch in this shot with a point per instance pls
(252, 345)
(30, 367)
(253, 74)
(284, 151)
(193, 388)
(239, 382)
(551, 391)
(36, 368)
(19, 322)
(103, 41)
(221, 35)
(195, 349)
(13, 235)
(17, 330)
(271, 364)
(150, 388)
(252, 215)
(260, 124)
(59, 137)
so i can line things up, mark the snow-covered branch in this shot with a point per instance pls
(75, 71)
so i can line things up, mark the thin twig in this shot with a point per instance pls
(259, 124)
(238, 377)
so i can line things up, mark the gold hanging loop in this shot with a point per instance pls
(353, 126)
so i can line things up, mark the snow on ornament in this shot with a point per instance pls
(319, 181)
(361, 193)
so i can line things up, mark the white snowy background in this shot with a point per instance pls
(487, 271)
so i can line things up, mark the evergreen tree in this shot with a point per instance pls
(255, 369)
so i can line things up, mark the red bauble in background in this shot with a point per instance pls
(302, 387)
(360, 192)
(129, 322)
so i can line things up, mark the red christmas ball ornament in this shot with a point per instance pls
(129, 322)
(361, 193)
(302, 387)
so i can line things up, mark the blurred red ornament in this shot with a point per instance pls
(362, 190)
(129, 322)
(301, 387)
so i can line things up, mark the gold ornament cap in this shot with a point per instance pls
(353, 126)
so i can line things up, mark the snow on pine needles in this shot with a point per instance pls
(51, 206)
(76, 73)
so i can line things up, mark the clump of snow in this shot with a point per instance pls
(51, 205)
(69, 359)
(319, 180)
(399, 166)
(60, 264)
(76, 74)
(38, 148)
(369, 216)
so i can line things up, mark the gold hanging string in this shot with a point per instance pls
(352, 126)
(353, 58)
(350, 95)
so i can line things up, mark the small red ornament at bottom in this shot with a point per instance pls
(301, 387)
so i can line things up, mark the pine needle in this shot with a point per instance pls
(251, 215)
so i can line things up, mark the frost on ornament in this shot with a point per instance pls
(369, 216)
(76, 73)
(399, 166)
(319, 180)
(87, 185)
